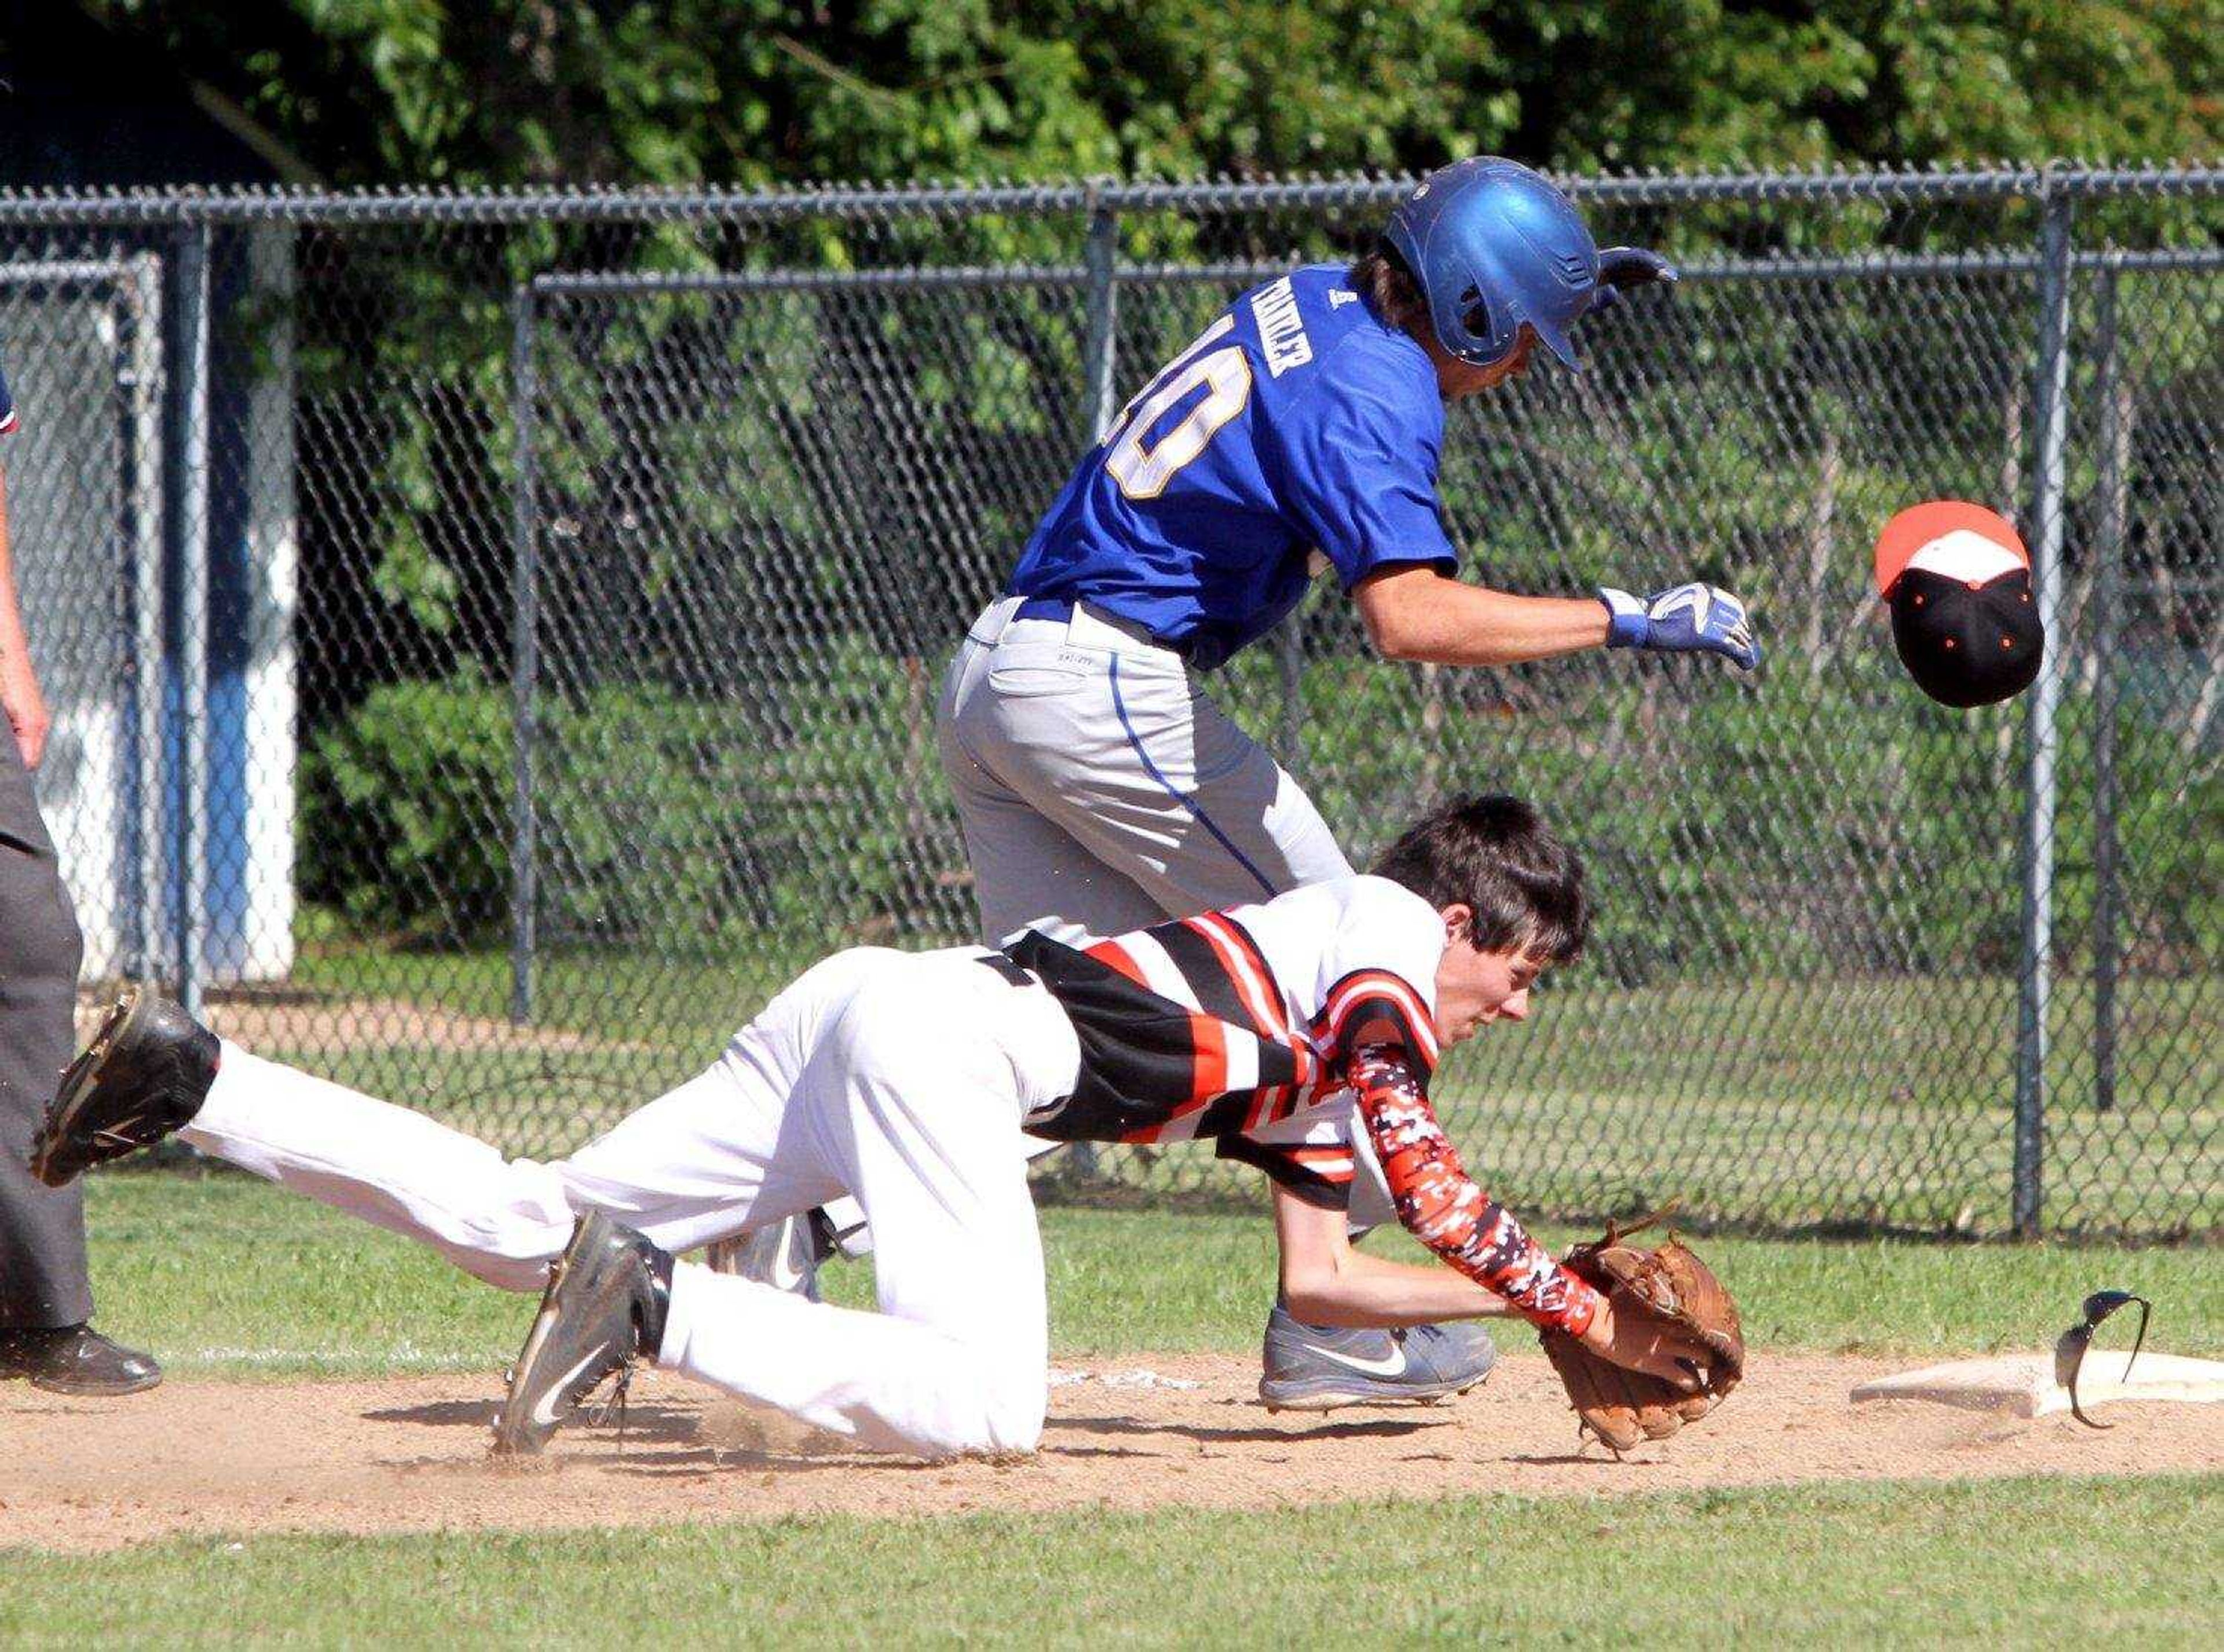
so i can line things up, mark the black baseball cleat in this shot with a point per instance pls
(77, 1360)
(142, 1079)
(603, 1311)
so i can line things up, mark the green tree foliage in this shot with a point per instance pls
(684, 90)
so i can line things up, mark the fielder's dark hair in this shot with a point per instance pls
(1389, 289)
(1495, 855)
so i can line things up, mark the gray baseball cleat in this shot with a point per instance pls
(786, 1254)
(1318, 1368)
(143, 1077)
(603, 1310)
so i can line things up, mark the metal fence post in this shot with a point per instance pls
(525, 657)
(2050, 403)
(2113, 390)
(142, 290)
(1290, 661)
(1101, 347)
(190, 446)
(1100, 367)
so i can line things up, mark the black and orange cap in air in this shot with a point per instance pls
(1958, 581)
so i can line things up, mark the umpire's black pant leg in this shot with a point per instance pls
(42, 1267)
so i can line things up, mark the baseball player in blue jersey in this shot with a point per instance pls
(1100, 788)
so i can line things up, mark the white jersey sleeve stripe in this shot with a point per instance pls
(1261, 996)
(1242, 1056)
(1160, 974)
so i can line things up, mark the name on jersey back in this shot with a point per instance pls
(1281, 329)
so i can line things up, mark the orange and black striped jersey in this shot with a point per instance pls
(1235, 1025)
(1269, 1029)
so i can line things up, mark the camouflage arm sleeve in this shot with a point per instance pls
(1440, 1203)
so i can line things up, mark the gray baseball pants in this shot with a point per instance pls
(1100, 790)
(42, 1265)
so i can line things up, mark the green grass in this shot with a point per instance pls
(223, 1275)
(2054, 1562)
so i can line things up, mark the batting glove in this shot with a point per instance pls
(1691, 620)
(1625, 267)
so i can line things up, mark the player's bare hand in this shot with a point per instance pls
(1654, 1349)
(24, 706)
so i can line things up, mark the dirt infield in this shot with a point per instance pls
(410, 1455)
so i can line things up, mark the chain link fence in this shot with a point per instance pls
(494, 641)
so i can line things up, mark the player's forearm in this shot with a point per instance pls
(1353, 1289)
(1420, 615)
(1443, 1207)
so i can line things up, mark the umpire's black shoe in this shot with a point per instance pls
(143, 1077)
(76, 1359)
(603, 1309)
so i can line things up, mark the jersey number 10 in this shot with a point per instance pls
(1225, 375)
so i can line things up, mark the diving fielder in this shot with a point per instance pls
(906, 1081)
(1099, 787)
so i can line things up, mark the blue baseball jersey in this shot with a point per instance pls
(1296, 422)
(6, 405)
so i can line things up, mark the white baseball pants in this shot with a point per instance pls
(899, 1078)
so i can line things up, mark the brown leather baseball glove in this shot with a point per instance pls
(1669, 1286)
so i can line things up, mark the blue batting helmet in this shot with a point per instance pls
(1492, 244)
